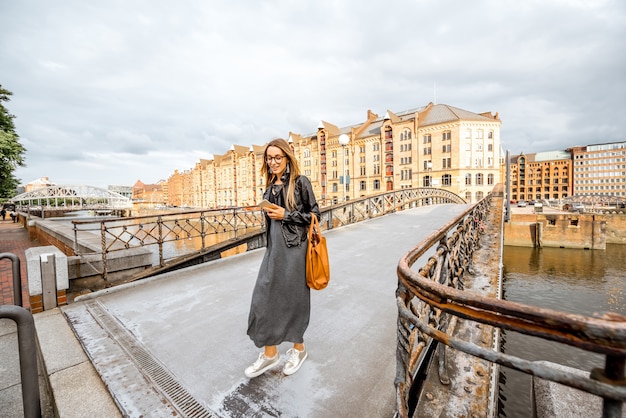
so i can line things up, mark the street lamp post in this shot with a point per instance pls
(344, 140)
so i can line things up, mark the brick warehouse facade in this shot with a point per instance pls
(436, 145)
(542, 175)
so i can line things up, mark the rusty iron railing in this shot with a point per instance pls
(427, 298)
(358, 210)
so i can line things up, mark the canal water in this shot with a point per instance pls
(568, 280)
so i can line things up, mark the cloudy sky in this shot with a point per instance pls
(115, 91)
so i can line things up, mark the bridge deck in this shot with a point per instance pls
(178, 341)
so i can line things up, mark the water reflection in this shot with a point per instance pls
(568, 280)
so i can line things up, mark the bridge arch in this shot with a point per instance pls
(72, 197)
(372, 206)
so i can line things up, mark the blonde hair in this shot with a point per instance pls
(292, 166)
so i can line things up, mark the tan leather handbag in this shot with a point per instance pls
(317, 264)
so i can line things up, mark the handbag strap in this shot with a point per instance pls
(314, 230)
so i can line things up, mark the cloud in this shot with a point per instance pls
(115, 92)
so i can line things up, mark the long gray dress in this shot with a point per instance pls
(281, 301)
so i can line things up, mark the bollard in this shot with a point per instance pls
(47, 277)
(48, 280)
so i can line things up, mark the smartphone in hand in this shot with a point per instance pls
(267, 204)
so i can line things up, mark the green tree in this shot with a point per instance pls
(11, 151)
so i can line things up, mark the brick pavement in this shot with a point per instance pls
(14, 238)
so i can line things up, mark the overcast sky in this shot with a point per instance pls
(115, 91)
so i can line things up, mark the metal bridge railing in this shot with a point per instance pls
(427, 299)
(188, 231)
(205, 228)
(27, 347)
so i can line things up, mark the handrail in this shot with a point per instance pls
(116, 234)
(17, 276)
(27, 347)
(439, 290)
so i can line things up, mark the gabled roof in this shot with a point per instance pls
(240, 150)
(438, 114)
(332, 129)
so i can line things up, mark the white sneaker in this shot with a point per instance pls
(294, 360)
(261, 365)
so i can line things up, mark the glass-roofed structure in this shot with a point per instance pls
(72, 197)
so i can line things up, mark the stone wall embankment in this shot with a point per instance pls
(565, 230)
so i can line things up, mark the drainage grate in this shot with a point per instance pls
(165, 383)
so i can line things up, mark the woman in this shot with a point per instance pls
(281, 302)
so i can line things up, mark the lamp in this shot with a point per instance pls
(344, 140)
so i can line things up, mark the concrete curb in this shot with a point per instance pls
(76, 387)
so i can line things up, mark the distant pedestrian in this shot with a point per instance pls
(3, 213)
(281, 301)
(13, 216)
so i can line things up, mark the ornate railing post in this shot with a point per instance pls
(103, 243)
(160, 239)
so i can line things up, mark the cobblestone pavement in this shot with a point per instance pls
(14, 239)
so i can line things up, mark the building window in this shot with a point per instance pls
(427, 151)
(468, 179)
(376, 184)
(446, 180)
(446, 162)
(427, 139)
(479, 179)
(362, 185)
(446, 148)
(446, 136)
(490, 179)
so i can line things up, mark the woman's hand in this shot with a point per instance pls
(275, 212)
